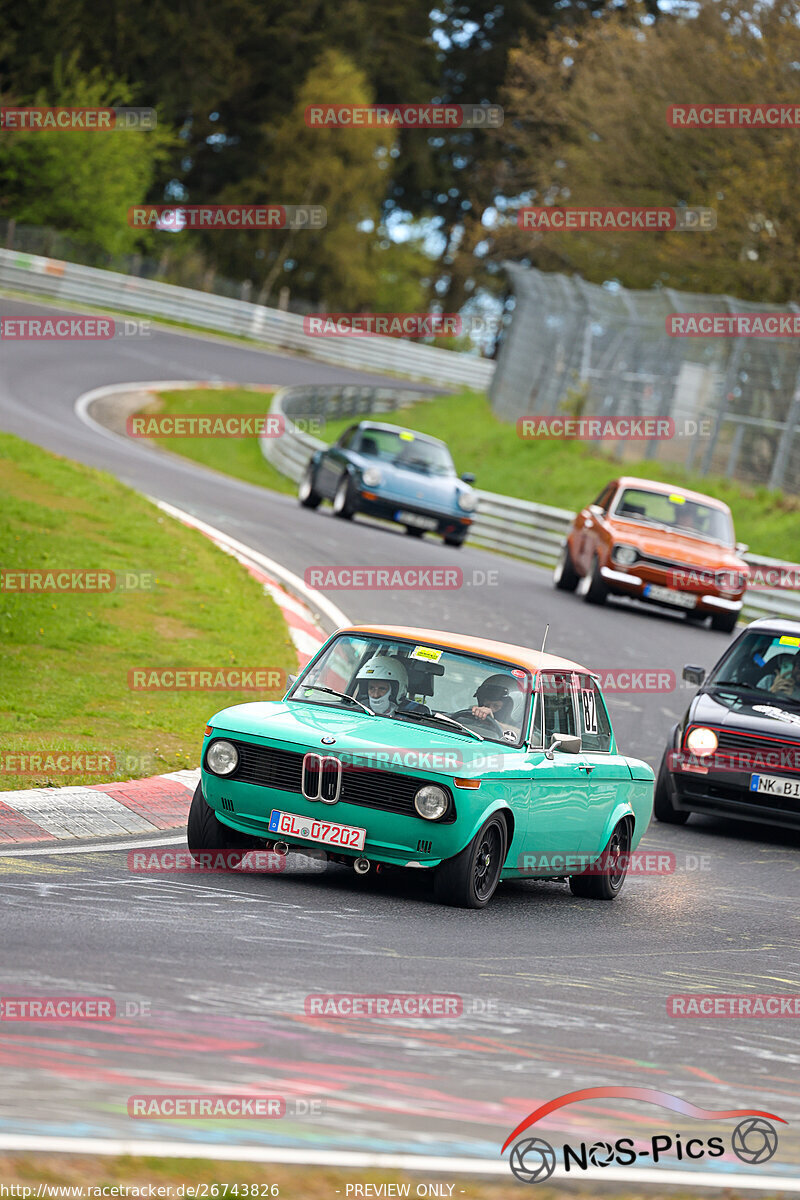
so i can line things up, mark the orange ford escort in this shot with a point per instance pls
(661, 544)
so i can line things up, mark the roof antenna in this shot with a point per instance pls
(544, 639)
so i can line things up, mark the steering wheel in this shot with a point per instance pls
(487, 726)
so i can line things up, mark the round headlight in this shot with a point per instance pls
(431, 802)
(371, 477)
(222, 758)
(626, 555)
(702, 741)
(468, 501)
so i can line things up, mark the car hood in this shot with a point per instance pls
(747, 715)
(416, 486)
(675, 546)
(384, 743)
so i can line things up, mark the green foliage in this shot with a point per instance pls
(81, 182)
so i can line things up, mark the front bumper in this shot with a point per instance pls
(727, 794)
(627, 584)
(386, 509)
(393, 838)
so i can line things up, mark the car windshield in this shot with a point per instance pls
(767, 664)
(410, 682)
(675, 511)
(405, 449)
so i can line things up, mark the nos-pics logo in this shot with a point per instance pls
(533, 1160)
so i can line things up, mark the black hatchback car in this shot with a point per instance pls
(393, 473)
(736, 753)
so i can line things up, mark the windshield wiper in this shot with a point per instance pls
(342, 696)
(442, 719)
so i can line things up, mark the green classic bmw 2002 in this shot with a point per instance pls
(400, 747)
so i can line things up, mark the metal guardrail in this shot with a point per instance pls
(77, 284)
(520, 528)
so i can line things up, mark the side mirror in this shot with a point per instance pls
(291, 680)
(468, 477)
(565, 742)
(741, 548)
(596, 510)
(694, 675)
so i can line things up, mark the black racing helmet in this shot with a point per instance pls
(499, 687)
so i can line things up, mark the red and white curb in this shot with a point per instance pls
(149, 806)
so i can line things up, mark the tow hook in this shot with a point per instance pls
(281, 848)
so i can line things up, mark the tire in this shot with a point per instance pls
(344, 500)
(724, 622)
(565, 577)
(412, 531)
(307, 494)
(454, 539)
(591, 586)
(466, 881)
(608, 885)
(663, 808)
(205, 832)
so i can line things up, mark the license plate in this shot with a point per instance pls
(774, 785)
(669, 596)
(409, 518)
(331, 833)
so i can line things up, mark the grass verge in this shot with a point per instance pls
(240, 457)
(66, 655)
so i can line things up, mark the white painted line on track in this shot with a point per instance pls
(34, 852)
(309, 1157)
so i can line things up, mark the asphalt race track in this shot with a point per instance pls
(559, 993)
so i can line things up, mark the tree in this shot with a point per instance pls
(588, 127)
(81, 182)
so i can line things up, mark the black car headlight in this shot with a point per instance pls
(222, 758)
(626, 556)
(431, 802)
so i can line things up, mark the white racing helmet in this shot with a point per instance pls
(383, 669)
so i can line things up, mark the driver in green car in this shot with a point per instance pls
(495, 697)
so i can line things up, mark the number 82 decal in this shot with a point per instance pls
(589, 707)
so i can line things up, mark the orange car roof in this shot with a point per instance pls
(655, 485)
(521, 656)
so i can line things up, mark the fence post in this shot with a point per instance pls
(730, 379)
(781, 459)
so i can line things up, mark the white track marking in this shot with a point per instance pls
(34, 852)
